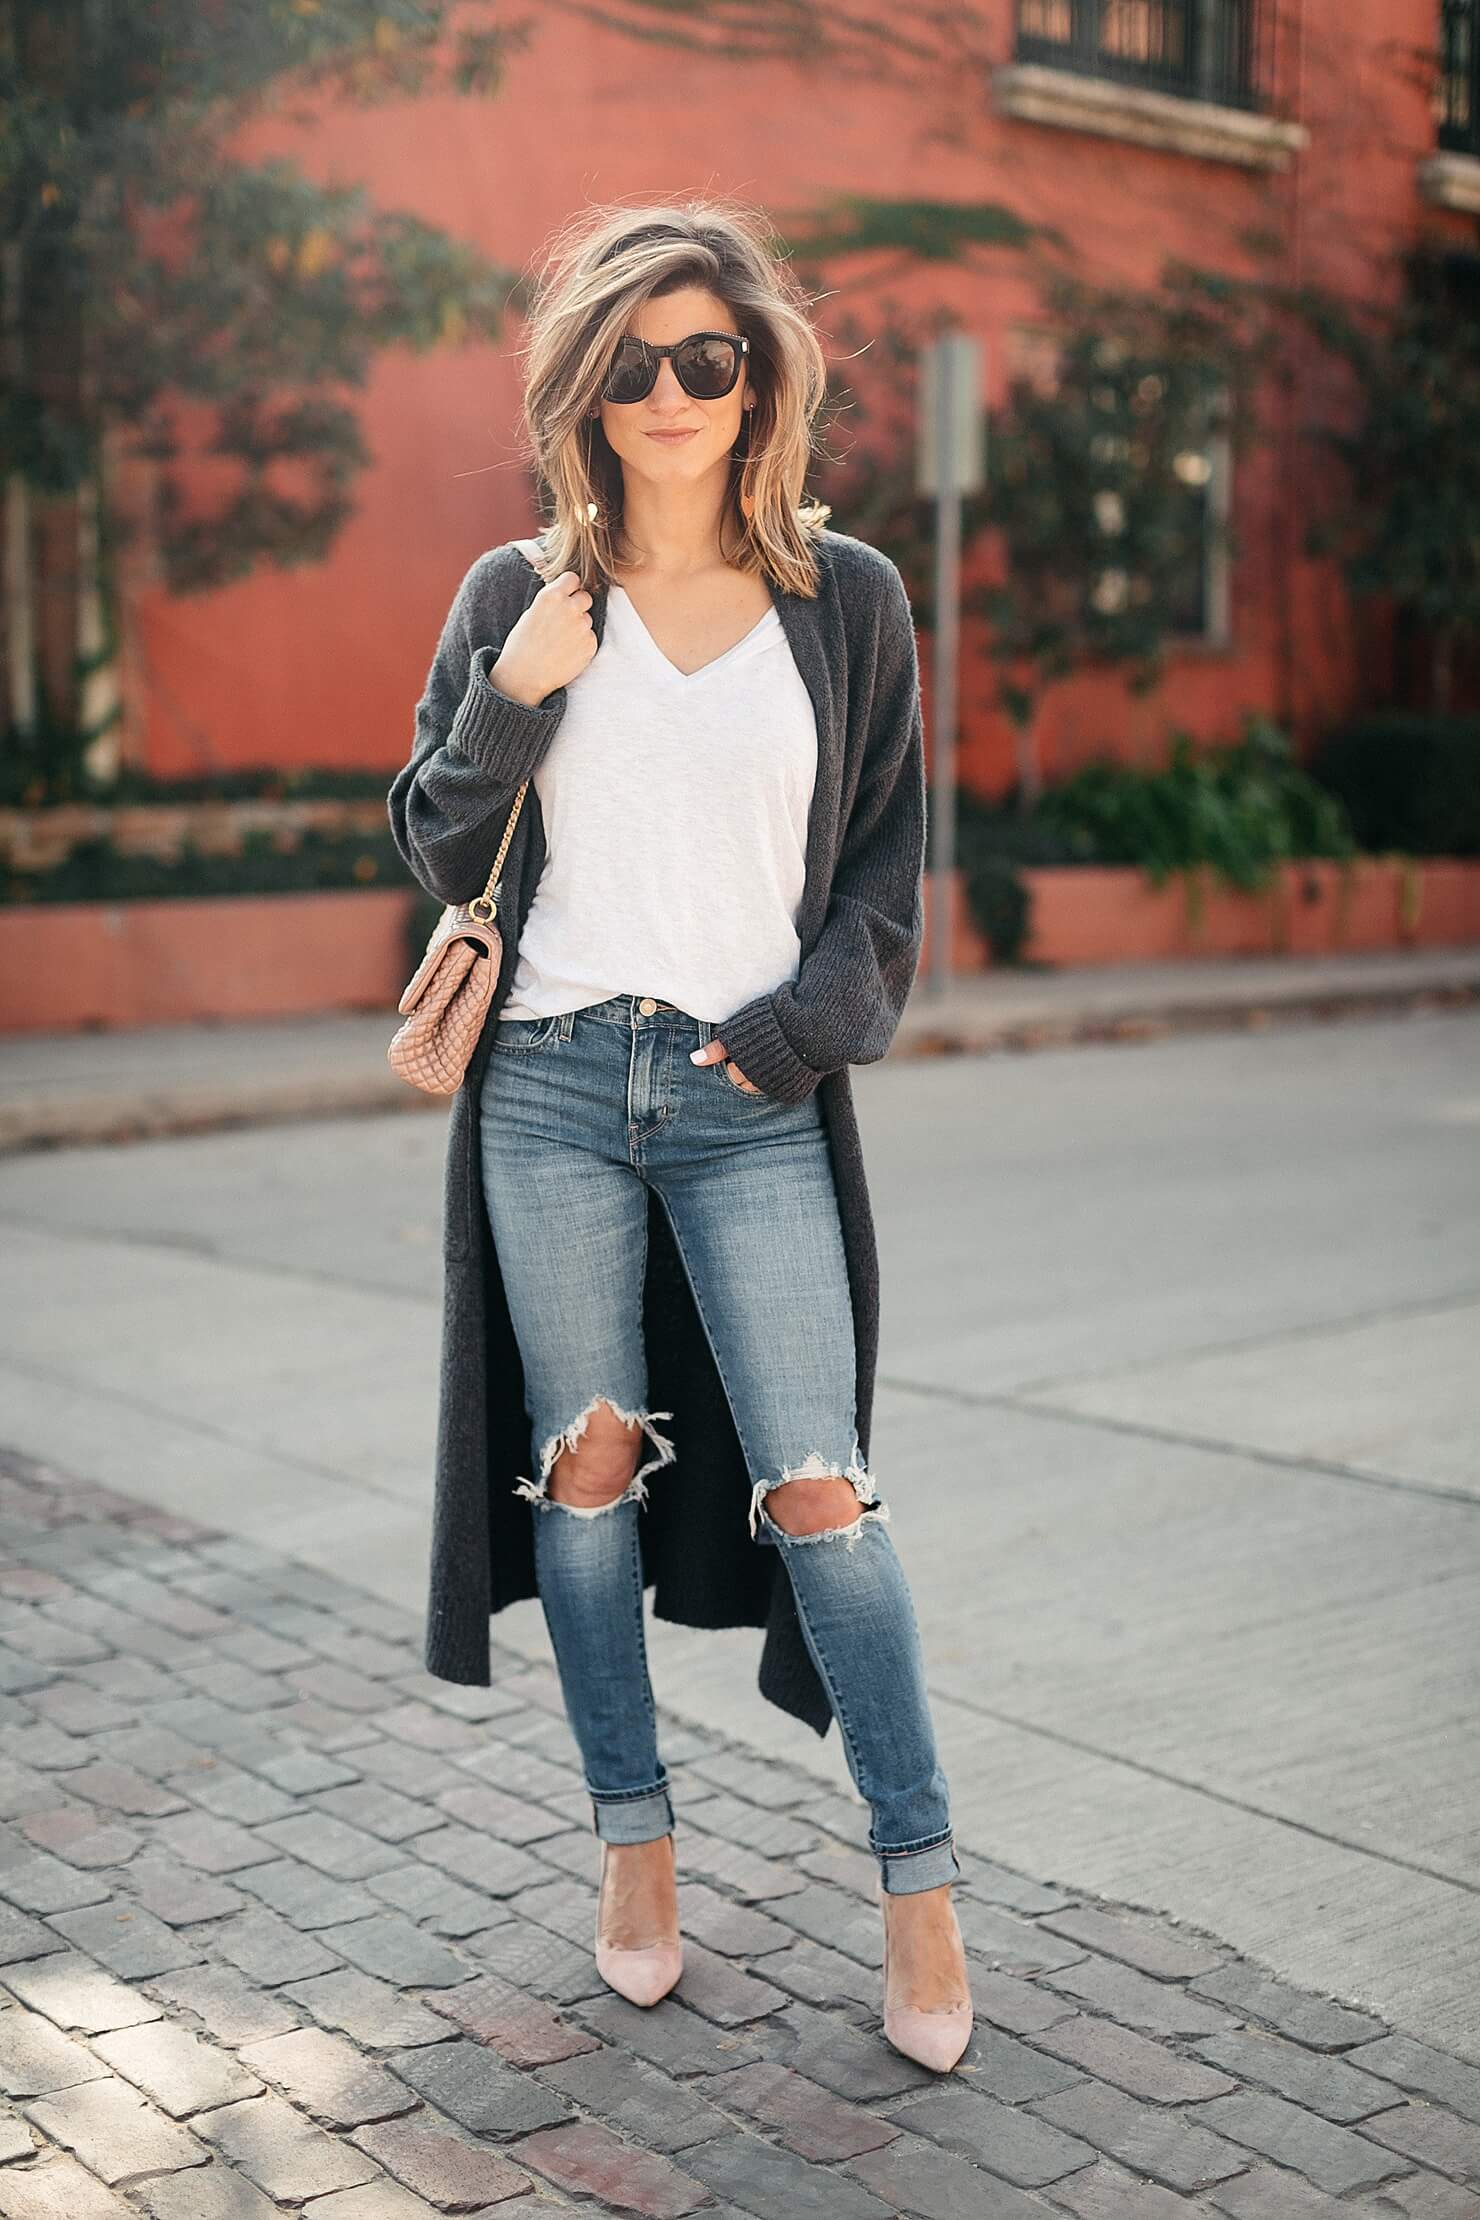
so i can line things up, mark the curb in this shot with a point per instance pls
(99, 1122)
(1026, 1035)
(88, 1122)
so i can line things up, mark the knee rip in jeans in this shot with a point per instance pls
(636, 1488)
(816, 1467)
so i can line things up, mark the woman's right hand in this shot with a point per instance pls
(550, 645)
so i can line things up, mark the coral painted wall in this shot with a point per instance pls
(323, 664)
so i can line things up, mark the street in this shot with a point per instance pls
(1178, 1419)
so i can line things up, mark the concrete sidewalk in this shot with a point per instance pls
(68, 1089)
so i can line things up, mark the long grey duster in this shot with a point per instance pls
(860, 926)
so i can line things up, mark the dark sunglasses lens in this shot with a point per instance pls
(631, 374)
(706, 367)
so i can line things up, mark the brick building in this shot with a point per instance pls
(1310, 139)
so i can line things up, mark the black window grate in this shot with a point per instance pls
(1215, 50)
(1459, 76)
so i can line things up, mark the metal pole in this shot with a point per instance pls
(947, 643)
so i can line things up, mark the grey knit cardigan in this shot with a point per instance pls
(860, 925)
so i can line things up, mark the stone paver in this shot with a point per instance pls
(208, 2193)
(1313, 2020)
(1133, 2062)
(179, 2071)
(1149, 1944)
(392, 1948)
(913, 2176)
(327, 2077)
(1322, 2082)
(16, 2139)
(629, 2094)
(1003, 2139)
(809, 2119)
(431, 2157)
(377, 2200)
(1136, 2000)
(587, 2159)
(287, 1926)
(1423, 2072)
(284, 2154)
(57, 2189)
(115, 2133)
(1331, 2157)
(772, 2183)
(1426, 2135)
(128, 1940)
(1106, 2191)
(519, 2027)
(36, 2057)
(1420, 2197)
(464, 2080)
(228, 2006)
(1149, 2139)
(370, 2012)
(269, 1950)
(74, 1993)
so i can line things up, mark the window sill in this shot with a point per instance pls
(1035, 93)
(1451, 181)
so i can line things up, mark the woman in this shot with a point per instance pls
(711, 907)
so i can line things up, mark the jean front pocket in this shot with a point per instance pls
(746, 1094)
(525, 1033)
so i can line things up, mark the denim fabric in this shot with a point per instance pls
(581, 1114)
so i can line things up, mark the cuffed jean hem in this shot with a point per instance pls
(904, 1872)
(628, 1818)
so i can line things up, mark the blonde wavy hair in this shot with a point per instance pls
(597, 271)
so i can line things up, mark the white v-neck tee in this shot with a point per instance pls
(675, 810)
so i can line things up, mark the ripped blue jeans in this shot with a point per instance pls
(581, 1115)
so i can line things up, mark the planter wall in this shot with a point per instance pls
(67, 965)
(1086, 914)
(970, 950)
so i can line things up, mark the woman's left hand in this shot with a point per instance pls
(714, 1053)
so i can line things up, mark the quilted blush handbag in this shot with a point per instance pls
(447, 998)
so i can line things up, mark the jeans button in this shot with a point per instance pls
(647, 1005)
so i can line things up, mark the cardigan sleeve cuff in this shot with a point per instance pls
(502, 736)
(753, 1036)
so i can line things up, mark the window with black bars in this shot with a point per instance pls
(1215, 50)
(1459, 76)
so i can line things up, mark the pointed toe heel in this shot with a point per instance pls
(642, 1976)
(935, 2038)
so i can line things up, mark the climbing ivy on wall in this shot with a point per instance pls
(1094, 466)
(1403, 521)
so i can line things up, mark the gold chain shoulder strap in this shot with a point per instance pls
(486, 898)
(485, 914)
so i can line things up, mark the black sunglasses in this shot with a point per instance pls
(706, 365)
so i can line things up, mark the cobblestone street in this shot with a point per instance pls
(288, 1926)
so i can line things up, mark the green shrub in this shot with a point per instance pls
(96, 871)
(995, 841)
(28, 780)
(1408, 782)
(1238, 811)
